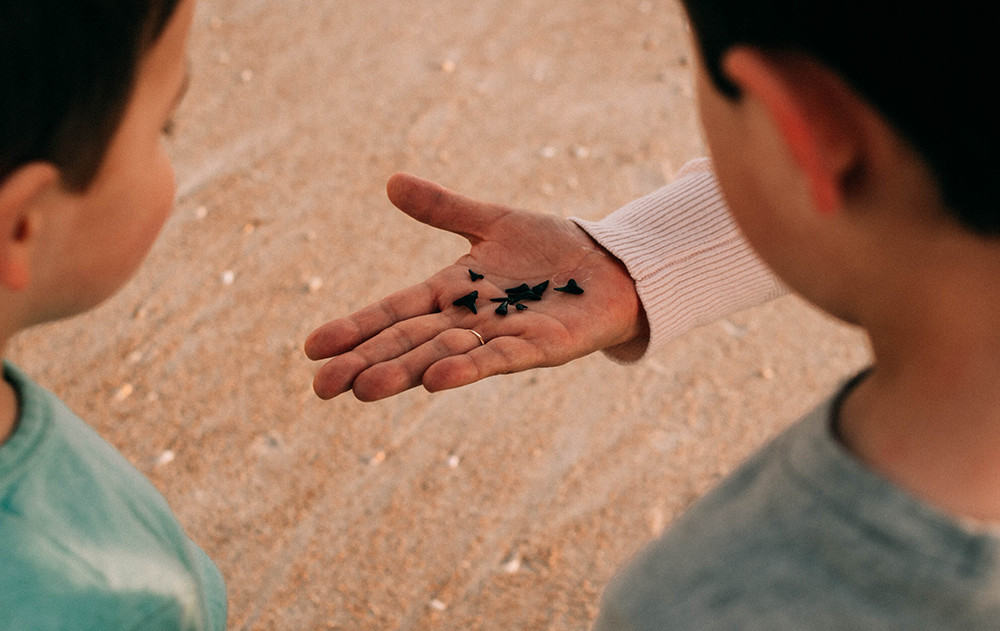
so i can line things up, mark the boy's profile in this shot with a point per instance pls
(85, 185)
(856, 159)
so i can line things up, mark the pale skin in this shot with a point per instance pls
(417, 337)
(830, 196)
(881, 253)
(64, 251)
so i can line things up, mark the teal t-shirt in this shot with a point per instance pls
(86, 541)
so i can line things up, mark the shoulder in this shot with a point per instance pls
(802, 536)
(87, 535)
(721, 564)
(55, 459)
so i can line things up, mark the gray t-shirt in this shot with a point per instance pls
(803, 536)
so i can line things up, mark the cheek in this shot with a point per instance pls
(157, 197)
(722, 138)
(734, 162)
(142, 215)
(165, 201)
(165, 184)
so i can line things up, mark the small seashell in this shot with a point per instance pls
(732, 329)
(165, 458)
(512, 565)
(123, 392)
(437, 605)
(228, 277)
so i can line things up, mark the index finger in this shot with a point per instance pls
(343, 334)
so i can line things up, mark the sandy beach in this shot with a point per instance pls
(508, 504)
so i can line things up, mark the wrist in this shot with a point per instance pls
(628, 335)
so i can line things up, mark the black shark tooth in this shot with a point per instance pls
(570, 288)
(468, 301)
(523, 288)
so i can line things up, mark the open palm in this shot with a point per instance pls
(418, 336)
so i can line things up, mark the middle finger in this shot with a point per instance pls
(337, 374)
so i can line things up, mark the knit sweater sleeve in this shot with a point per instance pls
(690, 262)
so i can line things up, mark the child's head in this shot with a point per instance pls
(923, 68)
(69, 68)
(85, 183)
(854, 146)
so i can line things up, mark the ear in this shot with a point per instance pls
(812, 109)
(19, 194)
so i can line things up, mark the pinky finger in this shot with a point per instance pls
(503, 355)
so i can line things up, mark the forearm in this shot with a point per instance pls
(689, 260)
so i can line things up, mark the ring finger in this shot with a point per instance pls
(339, 372)
(406, 371)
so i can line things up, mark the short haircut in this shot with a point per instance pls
(68, 68)
(925, 68)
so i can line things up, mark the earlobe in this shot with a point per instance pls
(19, 219)
(813, 130)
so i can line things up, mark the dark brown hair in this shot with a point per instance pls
(924, 67)
(67, 68)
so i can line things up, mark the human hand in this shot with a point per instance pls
(418, 336)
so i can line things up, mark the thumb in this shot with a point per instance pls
(437, 206)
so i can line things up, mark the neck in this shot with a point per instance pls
(928, 416)
(8, 408)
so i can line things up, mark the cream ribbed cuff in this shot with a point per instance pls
(690, 262)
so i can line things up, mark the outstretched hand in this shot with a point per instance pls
(418, 336)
